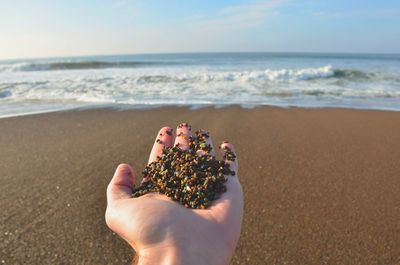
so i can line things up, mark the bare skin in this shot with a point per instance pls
(162, 231)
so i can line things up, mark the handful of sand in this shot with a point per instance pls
(187, 177)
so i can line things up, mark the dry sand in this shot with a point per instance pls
(320, 186)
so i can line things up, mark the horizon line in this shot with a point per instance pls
(192, 52)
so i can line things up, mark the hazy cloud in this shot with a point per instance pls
(358, 14)
(238, 17)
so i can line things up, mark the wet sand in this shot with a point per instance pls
(320, 186)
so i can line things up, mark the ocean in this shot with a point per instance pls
(309, 80)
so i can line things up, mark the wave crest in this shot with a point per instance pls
(282, 75)
(301, 74)
(289, 75)
(71, 65)
(285, 75)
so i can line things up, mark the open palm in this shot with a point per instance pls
(162, 231)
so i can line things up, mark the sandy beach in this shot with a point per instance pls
(321, 186)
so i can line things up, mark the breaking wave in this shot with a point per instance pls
(65, 65)
(199, 79)
(267, 75)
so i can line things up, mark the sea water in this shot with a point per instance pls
(310, 80)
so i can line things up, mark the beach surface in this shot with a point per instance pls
(320, 186)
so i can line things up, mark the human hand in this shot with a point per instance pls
(162, 231)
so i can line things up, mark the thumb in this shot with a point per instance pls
(122, 184)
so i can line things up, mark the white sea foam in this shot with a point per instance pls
(16, 67)
(25, 86)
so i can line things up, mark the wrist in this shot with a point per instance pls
(161, 256)
(179, 256)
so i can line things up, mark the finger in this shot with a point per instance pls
(164, 138)
(122, 183)
(228, 209)
(209, 143)
(183, 132)
(229, 156)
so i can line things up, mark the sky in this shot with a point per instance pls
(54, 28)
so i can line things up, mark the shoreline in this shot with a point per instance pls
(320, 185)
(190, 107)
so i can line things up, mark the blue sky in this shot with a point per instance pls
(44, 28)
